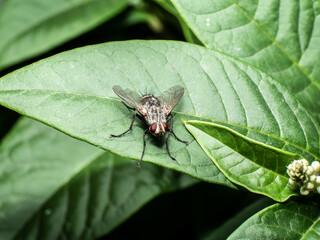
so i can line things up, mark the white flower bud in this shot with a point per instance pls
(304, 162)
(309, 170)
(304, 191)
(302, 174)
(318, 189)
(304, 178)
(310, 186)
(312, 178)
(316, 166)
(292, 182)
(318, 180)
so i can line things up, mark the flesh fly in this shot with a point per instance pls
(155, 111)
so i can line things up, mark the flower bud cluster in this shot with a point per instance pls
(306, 176)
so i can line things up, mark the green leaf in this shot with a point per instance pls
(23, 35)
(66, 187)
(257, 167)
(292, 220)
(72, 92)
(188, 34)
(2, 2)
(279, 37)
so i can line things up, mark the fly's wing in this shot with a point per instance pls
(130, 97)
(171, 97)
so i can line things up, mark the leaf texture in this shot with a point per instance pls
(292, 220)
(278, 37)
(56, 187)
(24, 36)
(257, 167)
(72, 92)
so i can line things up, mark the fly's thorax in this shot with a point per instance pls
(155, 110)
(150, 100)
(156, 116)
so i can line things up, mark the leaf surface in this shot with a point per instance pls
(279, 37)
(23, 35)
(257, 167)
(56, 187)
(292, 220)
(72, 92)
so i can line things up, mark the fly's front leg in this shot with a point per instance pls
(167, 142)
(171, 130)
(144, 147)
(185, 142)
(130, 128)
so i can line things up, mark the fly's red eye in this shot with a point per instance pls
(153, 127)
(165, 125)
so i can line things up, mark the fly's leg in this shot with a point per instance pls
(171, 130)
(133, 118)
(130, 128)
(131, 108)
(185, 142)
(167, 142)
(144, 147)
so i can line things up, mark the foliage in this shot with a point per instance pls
(251, 73)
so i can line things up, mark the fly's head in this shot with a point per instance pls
(158, 129)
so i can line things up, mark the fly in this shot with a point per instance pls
(155, 111)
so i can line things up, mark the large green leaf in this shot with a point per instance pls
(32, 27)
(66, 187)
(279, 37)
(293, 220)
(72, 91)
(257, 167)
(188, 34)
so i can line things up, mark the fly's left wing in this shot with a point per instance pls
(171, 97)
(130, 97)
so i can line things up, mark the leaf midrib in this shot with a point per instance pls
(310, 228)
(243, 156)
(255, 190)
(181, 113)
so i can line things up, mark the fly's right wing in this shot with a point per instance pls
(171, 97)
(130, 97)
